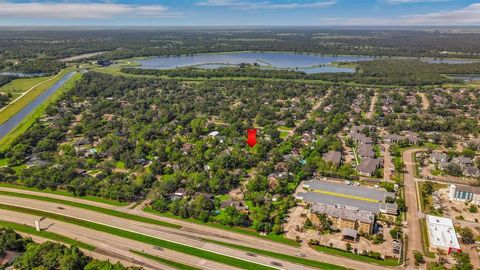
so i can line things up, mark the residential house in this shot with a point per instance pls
(463, 161)
(438, 157)
(368, 166)
(366, 151)
(239, 205)
(471, 171)
(334, 157)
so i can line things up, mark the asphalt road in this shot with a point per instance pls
(190, 233)
(413, 213)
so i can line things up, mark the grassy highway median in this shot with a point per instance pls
(201, 253)
(92, 208)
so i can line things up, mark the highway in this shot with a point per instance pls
(190, 234)
(109, 245)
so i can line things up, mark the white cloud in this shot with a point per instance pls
(79, 10)
(469, 15)
(265, 4)
(412, 1)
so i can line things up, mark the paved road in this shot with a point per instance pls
(387, 163)
(425, 101)
(413, 212)
(189, 234)
(371, 110)
(109, 247)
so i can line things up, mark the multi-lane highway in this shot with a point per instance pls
(191, 234)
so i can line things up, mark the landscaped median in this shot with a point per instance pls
(208, 255)
(44, 234)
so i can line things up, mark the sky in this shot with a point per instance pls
(241, 13)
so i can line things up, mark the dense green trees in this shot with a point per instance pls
(50, 255)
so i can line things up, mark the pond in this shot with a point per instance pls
(13, 122)
(466, 77)
(21, 74)
(309, 63)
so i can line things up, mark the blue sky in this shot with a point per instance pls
(241, 12)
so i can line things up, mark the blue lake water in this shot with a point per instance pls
(21, 74)
(309, 63)
(13, 122)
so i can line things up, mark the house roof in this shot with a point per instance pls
(333, 156)
(350, 233)
(470, 189)
(366, 150)
(369, 165)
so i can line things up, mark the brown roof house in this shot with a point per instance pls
(334, 157)
(368, 166)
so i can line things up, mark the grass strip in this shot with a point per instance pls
(425, 241)
(357, 257)
(170, 263)
(142, 238)
(271, 236)
(63, 193)
(44, 234)
(102, 210)
(293, 259)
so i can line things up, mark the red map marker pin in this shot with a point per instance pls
(252, 137)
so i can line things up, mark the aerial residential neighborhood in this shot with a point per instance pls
(240, 134)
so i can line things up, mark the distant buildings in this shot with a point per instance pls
(465, 194)
(441, 234)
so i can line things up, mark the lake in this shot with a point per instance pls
(13, 122)
(21, 74)
(309, 63)
(466, 77)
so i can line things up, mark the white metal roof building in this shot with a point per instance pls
(441, 234)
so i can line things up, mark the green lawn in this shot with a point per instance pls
(283, 134)
(271, 237)
(64, 193)
(357, 257)
(92, 208)
(290, 258)
(425, 241)
(23, 84)
(47, 235)
(143, 238)
(173, 264)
